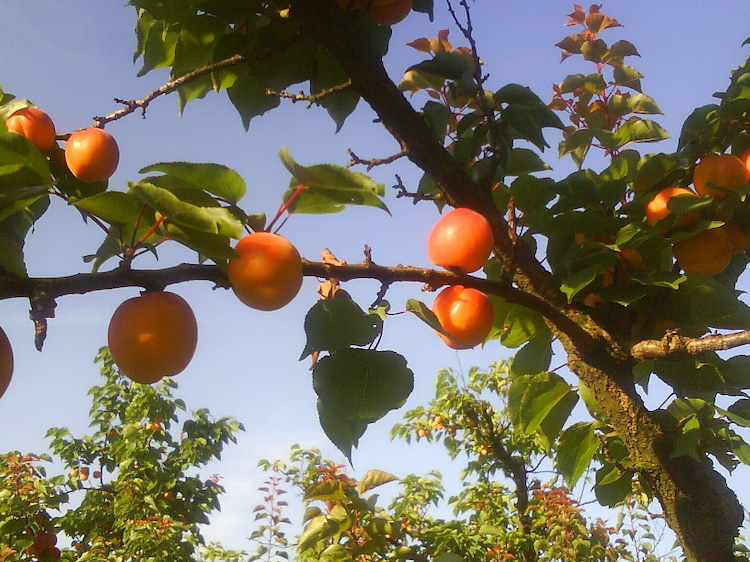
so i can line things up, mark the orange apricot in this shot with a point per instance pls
(723, 170)
(464, 313)
(706, 254)
(92, 154)
(268, 273)
(35, 125)
(153, 336)
(462, 239)
(739, 239)
(658, 209)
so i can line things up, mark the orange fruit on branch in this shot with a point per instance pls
(92, 154)
(153, 336)
(723, 170)
(706, 254)
(268, 273)
(6, 362)
(658, 209)
(35, 125)
(384, 12)
(462, 239)
(464, 313)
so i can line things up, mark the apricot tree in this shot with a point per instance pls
(557, 273)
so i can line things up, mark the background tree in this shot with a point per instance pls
(470, 147)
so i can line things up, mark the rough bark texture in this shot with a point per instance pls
(698, 505)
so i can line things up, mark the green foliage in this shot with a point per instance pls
(502, 511)
(129, 493)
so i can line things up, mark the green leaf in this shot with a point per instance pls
(612, 485)
(343, 433)
(21, 165)
(575, 451)
(643, 104)
(636, 129)
(114, 207)
(212, 220)
(447, 65)
(524, 161)
(533, 397)
(327, 188)
(534, 357)
(627, 76)
(333, 324)
(213, 178)
(703, 300)
(374, 478)
(437, 116)
(687, 441)
(739, 412)
(362, 384)
(329, 74)
(13, 231)
(214, 246)
(423, 312)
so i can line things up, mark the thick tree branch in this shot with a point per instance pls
(49, 288)
(673, 345)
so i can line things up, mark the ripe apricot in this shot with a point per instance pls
(268, 273)
(35, 125)
(724, 170)
(6, 362)
(384, 12)
(462, 239)
(739, 240)
(706, 254)
(464, 313)
(658, 209)
(153, 336)
(92, 154)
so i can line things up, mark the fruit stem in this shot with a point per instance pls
(285, 207)
(151, 230)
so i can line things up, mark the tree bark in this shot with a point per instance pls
(698, 505)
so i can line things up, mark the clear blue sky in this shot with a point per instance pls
(72, 58)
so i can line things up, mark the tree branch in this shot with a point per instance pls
(132, 105)
(673, 345)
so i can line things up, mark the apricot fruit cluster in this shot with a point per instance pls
(709, 252)
(91, 154)
(461, 241)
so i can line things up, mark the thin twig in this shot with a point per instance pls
(356, 160)
(132, 105)
(311, 98)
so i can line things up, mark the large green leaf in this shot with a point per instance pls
(333, 324)
(213, 178)
(703, 300)
(213, 220)
(362, 384)
(114, 207)
(343, 433)
(329, 74)
(13, 230)
(214, 246)
(22, 166)
(328, 188)
(575, 451)
(532, 398)
(612, 485)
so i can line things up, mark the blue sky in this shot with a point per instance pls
(72, 58)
